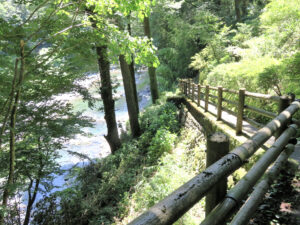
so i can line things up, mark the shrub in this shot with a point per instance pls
(162, 142)
(102, 189)
(243, 74)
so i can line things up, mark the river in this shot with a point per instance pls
(94, 145)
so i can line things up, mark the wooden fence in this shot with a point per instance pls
(197, 92)
(181, 200)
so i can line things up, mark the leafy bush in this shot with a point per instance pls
(160, 116)
(282, 78)
(243, 74)
(162, 142)
(281, 22)
(102, 189)
(165, 78)
(187, 160)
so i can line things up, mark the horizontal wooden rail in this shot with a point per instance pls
(253, 122)
(229, 101)
(213, 88)
(181, 200)
(205, 95)
(213, 96)
(230, 91)
(260, 111)
(211, 103)
(240, 190)
(248, 209)
(263, 96)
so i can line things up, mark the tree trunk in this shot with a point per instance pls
(12, 154)
(130, 100)
(112, 136)
(31, 200)
(9, 102)
(131, 67)
(237, 10)
(218, 2)
(151, 70)
(244, 7)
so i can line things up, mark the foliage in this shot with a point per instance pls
(281, 201)
(156, 117)
(243, 74)
(282, 78)
(103, 186)
(260, 53)
(254, 56)
(180, 32)
(162, 142)
(186, 159)
(281, 22)
(111, 32)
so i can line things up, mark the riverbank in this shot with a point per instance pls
(84, 148)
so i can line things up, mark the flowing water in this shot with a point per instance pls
(94, 145)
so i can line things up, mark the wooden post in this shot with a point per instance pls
(217, 147)
(284, 102)
(199, 94)
(206, 97)
(180, 85)
(193, 92)
(189, 89)
(176, 204)
(220, 98)
(240, 113)
(292, 97)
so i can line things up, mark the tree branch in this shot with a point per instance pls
(54, 35)
(34, 11)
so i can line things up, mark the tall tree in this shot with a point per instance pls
(151, 69)
(130, 98)
(244, 7)
(112, 136)
(106, 89)
(120, 44)
(237, 10)
(42, 30)
(12, 134)
(131, 67)
(127, 71)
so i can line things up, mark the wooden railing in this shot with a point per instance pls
(181, 200)
(198, 93)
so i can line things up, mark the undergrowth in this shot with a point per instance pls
(280, 205)
(142, 172)
(186, 160)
